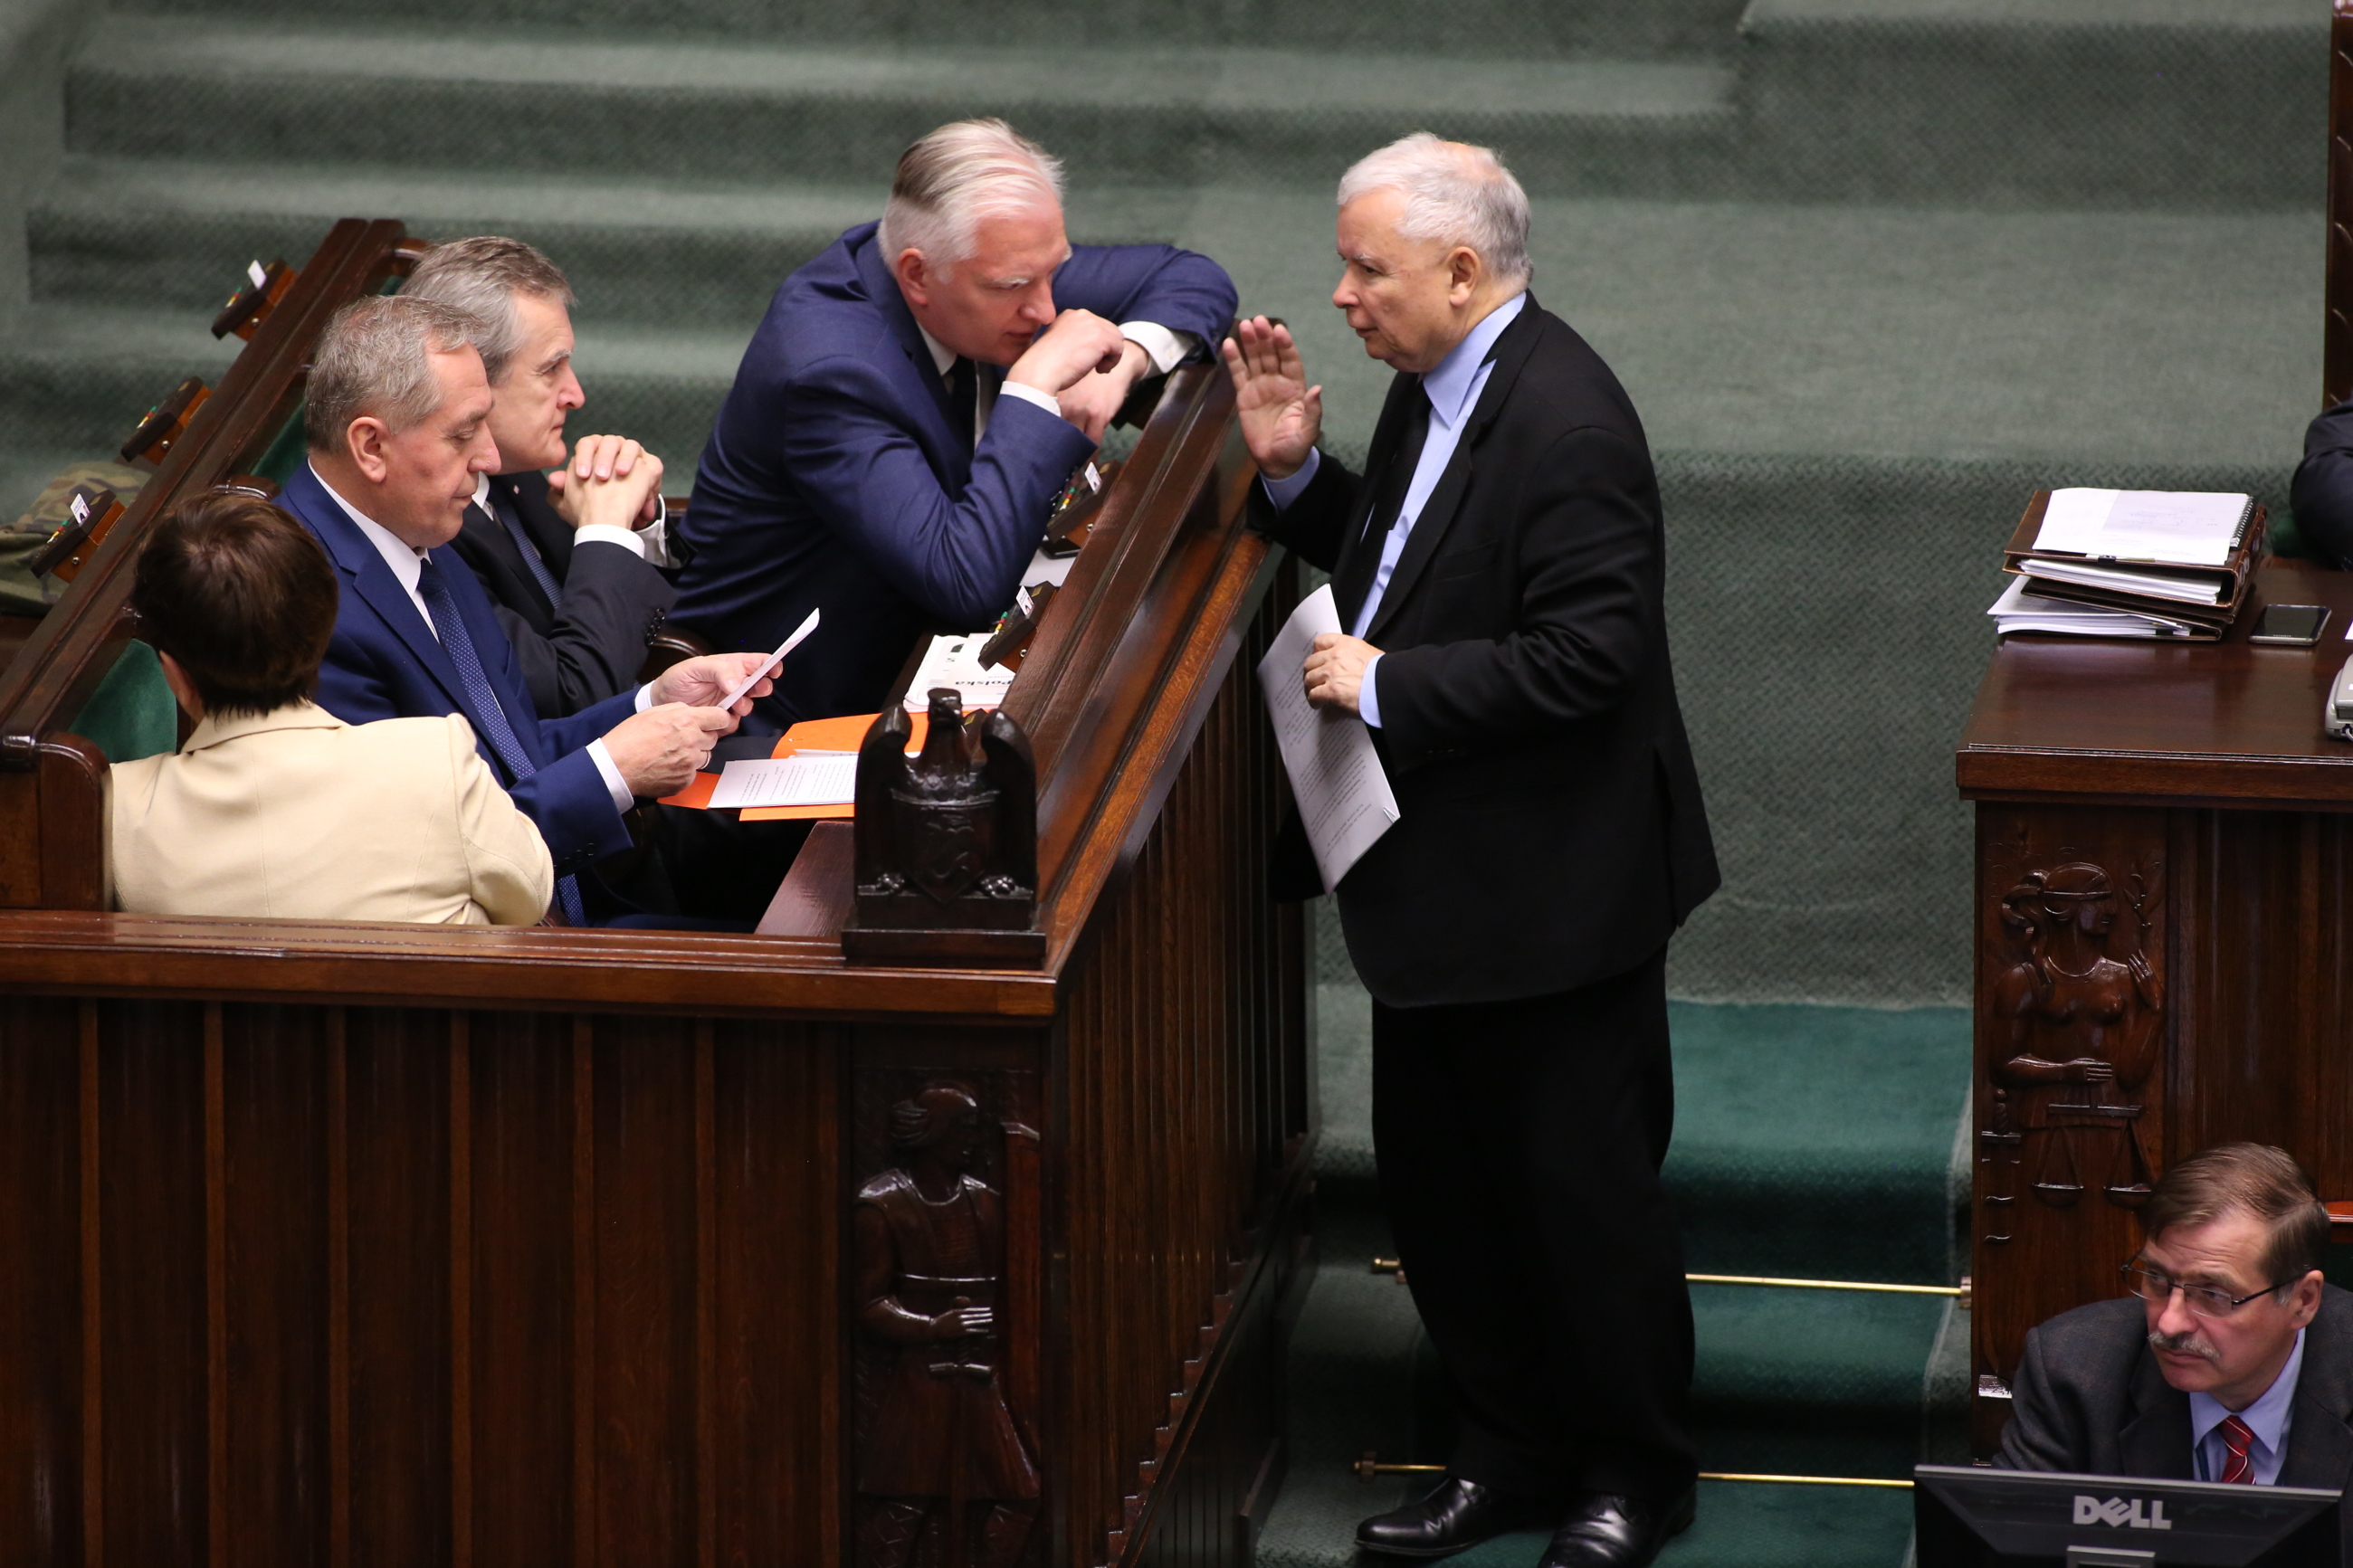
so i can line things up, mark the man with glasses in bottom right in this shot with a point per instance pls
(2228, 1359)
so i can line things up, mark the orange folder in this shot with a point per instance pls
(842, 734)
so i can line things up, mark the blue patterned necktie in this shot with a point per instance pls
(491, 719)
(502, 507)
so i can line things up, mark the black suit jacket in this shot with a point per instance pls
(1550, 829)
(592, 647)
(2090, 1397)
(2321, 495)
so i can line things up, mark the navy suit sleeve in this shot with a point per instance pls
(1159, 283)
(1587, 624)
(351, 685)
(846, 445)
(2322, 493)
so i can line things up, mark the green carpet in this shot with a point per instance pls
(1810, 1142)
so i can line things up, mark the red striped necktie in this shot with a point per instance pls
(2235, 1438)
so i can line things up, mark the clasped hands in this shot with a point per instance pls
(658, 750)
(1084, 363)
(611, 480)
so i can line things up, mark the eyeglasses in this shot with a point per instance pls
(2155, 1286)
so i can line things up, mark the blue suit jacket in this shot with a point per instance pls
(385, 663)
(2321, 495)
(831, 479)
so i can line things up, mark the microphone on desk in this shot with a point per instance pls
(2337, 707)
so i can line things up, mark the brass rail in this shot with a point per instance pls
(1960, 1292)
(1371, 1468)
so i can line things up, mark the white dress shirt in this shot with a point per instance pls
(1453, 389)
(1164, 348)
(407, 563)
(2267, 1418)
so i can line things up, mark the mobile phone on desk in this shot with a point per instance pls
(2293, 625)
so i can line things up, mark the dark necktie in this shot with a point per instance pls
(487, 716)
(1397, 478)
(502, 507)
(963, 400)
(2236, 1436)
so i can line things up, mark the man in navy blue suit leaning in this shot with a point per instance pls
(397, 415)
(914, 400)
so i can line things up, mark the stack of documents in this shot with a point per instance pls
(2101, 563)
(2020, 611)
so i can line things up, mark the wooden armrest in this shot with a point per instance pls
(152, 442)
(250, 306)
(665, 646)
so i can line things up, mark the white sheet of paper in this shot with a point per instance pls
(1344, 796)
(2189, 528)
(800, 779)
(954, 661)
(774, 660)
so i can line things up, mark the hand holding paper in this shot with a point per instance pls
(1336, 776)
(774, 659)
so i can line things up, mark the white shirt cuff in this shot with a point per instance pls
(1369, 706)
(644, 696)
(618, 786)
(1282, 492)
(653, 539)
(1165, 349)
(1044, 400)
(610, 533)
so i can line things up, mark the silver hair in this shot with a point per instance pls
(952, 179)
(1456, 193)
(377, 358)
(483, 274)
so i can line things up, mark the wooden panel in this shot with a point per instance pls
(268, 1071)
(155, 1484)
(523, 1474)
(397, 1462)
(647, 1270)
(40, 1281)
(2337, 336)
(2074, 1012)
(778, 1463)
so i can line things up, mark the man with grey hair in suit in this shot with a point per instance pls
(2226, 1357)
(568, 547)
(1499, 568)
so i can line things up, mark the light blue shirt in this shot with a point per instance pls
(2266, 1418)
(1454, 390)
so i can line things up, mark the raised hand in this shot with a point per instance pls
(1282, 415)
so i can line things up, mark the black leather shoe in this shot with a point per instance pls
(1604, 1532)
(1455, 1517)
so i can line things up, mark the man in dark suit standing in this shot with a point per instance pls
(397, 415)
(912, 405)
(1501, 568)
(573, 574)
(2231, 1360)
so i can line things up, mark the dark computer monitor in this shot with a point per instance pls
(1973, 1518)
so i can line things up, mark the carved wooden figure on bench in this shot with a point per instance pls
(947, 1475)
(947, 841)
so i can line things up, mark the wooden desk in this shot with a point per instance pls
(2164, 886)
(368, 1244)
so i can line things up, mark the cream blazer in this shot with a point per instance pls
(296, 813)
